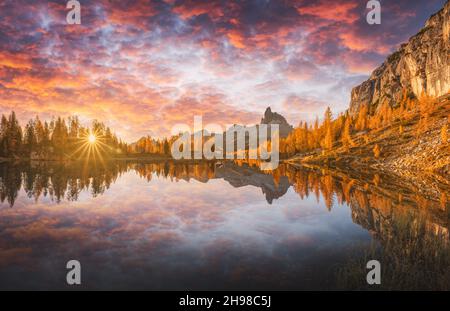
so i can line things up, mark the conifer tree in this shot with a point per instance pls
(29, 140)
(13, 136)
(327, 142)
(346, 138)
(444, 135)
(3, 133)
(361, 121)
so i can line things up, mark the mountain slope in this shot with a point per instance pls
(415, 154)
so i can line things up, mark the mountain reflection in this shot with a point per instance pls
(372, 200)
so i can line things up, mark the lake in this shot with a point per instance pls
(202, 225)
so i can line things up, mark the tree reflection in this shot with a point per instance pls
(375, 200)
(57, 181)
(408, 222)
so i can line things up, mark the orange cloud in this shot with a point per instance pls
(363, 43)
(236, 39)
(15, 60)
(341, 12)
(191, 8)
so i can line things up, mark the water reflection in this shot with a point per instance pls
(207, 225)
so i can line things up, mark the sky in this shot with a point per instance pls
(143, 66)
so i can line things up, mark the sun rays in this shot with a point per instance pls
(92, 139)
(92, 147)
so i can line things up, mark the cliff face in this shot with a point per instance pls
(420, 65)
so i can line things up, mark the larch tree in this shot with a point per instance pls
(346, 138)
(327, 142)
(426, 105)
(376, 151)
(361, 121)
(444, 134)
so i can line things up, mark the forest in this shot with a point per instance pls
(56, 139)
(340, 132)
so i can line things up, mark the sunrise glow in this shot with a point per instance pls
(92, 139)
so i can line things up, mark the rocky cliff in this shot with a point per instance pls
(275, 118)
(420, 65)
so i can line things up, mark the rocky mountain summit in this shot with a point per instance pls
(275, 118)
(422, 65)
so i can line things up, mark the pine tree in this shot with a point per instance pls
(74, 127)
(13, 136)
(60, 136)
(46, 138)
(40, 134)
(3, 133)
(29, 138)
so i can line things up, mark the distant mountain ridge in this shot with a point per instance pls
(422, 65)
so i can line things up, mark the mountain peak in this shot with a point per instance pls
(276, 118)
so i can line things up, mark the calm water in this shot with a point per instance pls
(196, 226)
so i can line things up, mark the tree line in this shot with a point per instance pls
(55, 139)
(150, 145)
(60, 138)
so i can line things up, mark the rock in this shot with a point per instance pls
(420, 65)
(275, 118)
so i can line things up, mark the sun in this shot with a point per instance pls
(92, 139)
(92, 147)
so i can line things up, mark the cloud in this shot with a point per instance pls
(133, 63)
(299, 69)
(338, 11)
